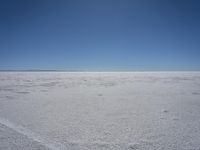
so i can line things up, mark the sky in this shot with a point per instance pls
(100, 34)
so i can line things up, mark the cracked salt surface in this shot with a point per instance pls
(100, 110)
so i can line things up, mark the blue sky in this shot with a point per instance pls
(100, 34)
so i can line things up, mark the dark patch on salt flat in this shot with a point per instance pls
(165, 111)
(23, 92)
(8, 97)
(195, 93)
(134, 146)
(100, 94)
(49, 84)
(175, 119)
(43, 90)
(7, 89)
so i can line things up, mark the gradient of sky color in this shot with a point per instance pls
(100, 34)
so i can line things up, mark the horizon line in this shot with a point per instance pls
(82, 70)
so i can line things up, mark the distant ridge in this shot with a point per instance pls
(81, 70)
(38, 70)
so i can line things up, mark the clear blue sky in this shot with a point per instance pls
(100, 34)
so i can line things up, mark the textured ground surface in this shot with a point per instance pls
(100, 111)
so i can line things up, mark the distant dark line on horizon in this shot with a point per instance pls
(38, 70)
(52, 70)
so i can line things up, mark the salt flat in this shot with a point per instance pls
(100, 110)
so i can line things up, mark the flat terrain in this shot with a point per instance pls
(100, 111)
